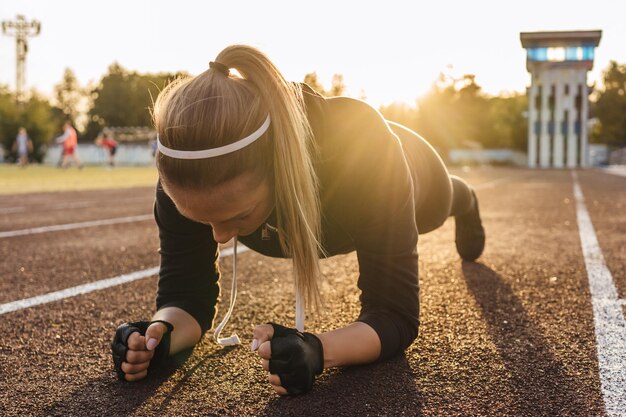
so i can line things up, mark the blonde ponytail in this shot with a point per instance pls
(295, 181)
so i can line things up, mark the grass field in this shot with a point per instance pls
(41, 178)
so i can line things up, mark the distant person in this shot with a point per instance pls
(153, 147)
(23, 146)
(69, 139)
(109, 145)
(250, 156)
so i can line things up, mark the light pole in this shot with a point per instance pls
(21, 29)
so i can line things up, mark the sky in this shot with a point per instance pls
(386, 50)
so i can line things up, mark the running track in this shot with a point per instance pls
(535, 328)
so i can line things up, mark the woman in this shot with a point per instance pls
(291, 174)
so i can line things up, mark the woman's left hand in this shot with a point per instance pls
(261, 344)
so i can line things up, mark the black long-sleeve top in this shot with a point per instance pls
(367, 202)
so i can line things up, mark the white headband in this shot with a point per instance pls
(213, 152)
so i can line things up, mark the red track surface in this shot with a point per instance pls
(510, 335)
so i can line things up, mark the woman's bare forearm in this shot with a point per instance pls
(187, 331)
(355, 344)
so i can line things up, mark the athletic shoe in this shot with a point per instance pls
(470, 234)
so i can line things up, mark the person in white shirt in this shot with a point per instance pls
(23, 145)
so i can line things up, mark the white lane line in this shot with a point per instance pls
(93, 286)
(71, 292)
(615, 170)
(70, 226)
(608, 314)
(22, 209)
(12, 210)
(72, 204)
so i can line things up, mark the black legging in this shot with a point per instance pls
(438, 194)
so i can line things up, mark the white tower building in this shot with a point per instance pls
(558, 97)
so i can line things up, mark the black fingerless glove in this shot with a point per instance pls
(119, 345)
(296, 358)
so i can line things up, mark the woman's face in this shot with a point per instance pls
(235, 208)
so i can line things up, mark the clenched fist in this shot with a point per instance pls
(140, 346)
(292, 358)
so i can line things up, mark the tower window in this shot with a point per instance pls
(556, 54)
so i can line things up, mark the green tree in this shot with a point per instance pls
(337, 87)
(313, 82)
(69, 94)
(508, 126)
(472, 109)
(401, 113)
(610, 107)
(124, 98)
(439, 116)
(43, 123)
(456, 113)
(41, 120)
(9, 118)
(111, 99)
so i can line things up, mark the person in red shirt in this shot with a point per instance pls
(110, 145)
(69, 139)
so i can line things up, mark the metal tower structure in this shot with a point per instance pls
(21, 29)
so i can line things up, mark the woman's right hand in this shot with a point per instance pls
(136, 345)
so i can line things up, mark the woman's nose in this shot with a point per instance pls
(223, 234)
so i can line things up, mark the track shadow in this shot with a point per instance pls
(183, 381)
(538, 379)
(107, 396)
(380, 389)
